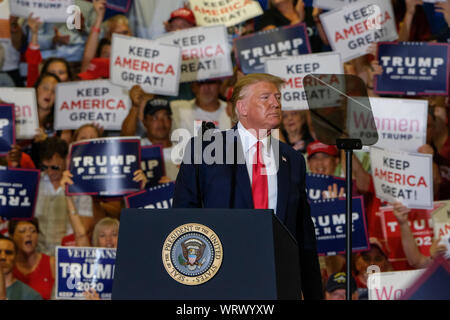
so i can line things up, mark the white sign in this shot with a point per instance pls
(401, 123)
(391, 285)
(4, 20)
(351, 29)
(205, 52)
(150, 64)
(294, 69)
(404, 177)
(331, 4)
(226, 12)
(46, 10)
(25, 107)
(98, 101)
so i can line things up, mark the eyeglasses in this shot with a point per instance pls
(55, 168)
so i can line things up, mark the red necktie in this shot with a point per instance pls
(260, 189)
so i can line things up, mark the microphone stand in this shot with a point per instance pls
(348, 145)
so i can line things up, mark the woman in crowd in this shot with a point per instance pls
(33, 268)
(295, 129)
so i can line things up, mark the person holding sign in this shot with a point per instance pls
(182, 18)
(10, 287)
(415, 258)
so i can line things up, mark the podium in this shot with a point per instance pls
(253, 256)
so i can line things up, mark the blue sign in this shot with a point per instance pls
(80, 269)
(7, 128)
(157, 197)
(152, 163)
(330, 225)
(433, 284)
(413, 68)
(18, 192)
(321, 187)
(252, 50)
(119, 5)
(105, 166)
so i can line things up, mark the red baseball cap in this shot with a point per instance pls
(317, 146)
(183, 13)
(98, 68)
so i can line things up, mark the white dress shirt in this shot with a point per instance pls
(248, 141)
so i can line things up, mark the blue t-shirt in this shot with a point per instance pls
(20, 291)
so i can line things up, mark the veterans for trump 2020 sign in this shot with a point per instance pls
(252, 50)
(46, 10)
(294, 69)
(152, 65)
(80, 269)
(18, 192)
(7, 128)
(351, 29)
(104, 166)
(98, 101)
(413, 68)
(401, 124)
(404, 177)
(329, 222)
(25, 107)
(156, 197)
(228, 12)
(205, 52)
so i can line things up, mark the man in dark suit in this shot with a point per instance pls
(247, 168)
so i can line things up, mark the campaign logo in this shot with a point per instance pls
(192, 254)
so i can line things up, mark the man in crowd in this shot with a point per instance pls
(336, 284)
(249, 182)
(10, 287)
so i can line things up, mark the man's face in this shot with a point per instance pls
(7, 256)
(178, 24)
(322, 163)
(54, 167)
(260, 108)
(206, 92)
(158, 125)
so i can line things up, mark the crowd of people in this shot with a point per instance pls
(54, 54)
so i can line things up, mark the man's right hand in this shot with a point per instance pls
(136, 95)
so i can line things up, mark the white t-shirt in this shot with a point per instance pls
(171, 167)
(187, 115)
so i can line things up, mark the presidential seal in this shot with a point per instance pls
(192, 254)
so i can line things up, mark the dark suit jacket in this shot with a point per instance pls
(217, 182)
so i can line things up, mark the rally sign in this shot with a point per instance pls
(294, 69)
(152, 163)
(228, 13)
(99, 101)
(7, 128)
(119, 5)
(329, 222)
(205, 52)
(79, 269)
(331, 4)
(401, 124)
(404, 177)
(152, 65)
(413, 68)
(156, 197)
(441, 219)
(18, 192)
(420, 223)
(391, 285)
(104, 166)
(46, 10)
(252, 50)
(25, 107)
(320, 186)
(351, 29)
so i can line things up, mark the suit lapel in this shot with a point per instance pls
(282, 183)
